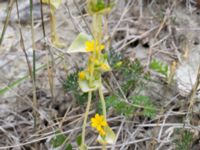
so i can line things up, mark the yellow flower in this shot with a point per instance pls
(105, 67)
(94, 46)
(98, 122)
(81, 75)
(102, 132)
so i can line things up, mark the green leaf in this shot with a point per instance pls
(109, 138)
(10, 86)
(119, 106)
(71, 85)
(69, 147)
(131, 76)
(184, 140)
(149, 110)
(58, 140)
(78, 45)
(159, 67)
(78, 140)
(127, 109)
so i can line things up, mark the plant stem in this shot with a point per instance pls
(103, 147)
(34, 65)
(102, 101)
(53, 24)
(85, 118)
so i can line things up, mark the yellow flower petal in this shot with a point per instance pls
(81, 75)
(98, 128)
(104, 123)
(94, 46)
(89, 46)
(98, 122)
(102, 132)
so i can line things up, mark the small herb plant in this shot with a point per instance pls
(71, 85)
(132, 76)
(90, 79)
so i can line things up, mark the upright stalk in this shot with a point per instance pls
(53, 24)
(85, 119)
(103, 108)
(34, 64)
(102, 102)
(90, 79)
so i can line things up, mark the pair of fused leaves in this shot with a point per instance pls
(92, 82)
(54, 3)
(98, 7)
(79, 45)
(86, 86)
(109, 138)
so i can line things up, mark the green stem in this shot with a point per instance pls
(97, 31)
(85, 119)
(53, 24)
(103, 147)
(34, 64)
(102, 101)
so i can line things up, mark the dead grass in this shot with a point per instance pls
(142, 29)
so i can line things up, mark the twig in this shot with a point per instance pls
(118, 133)
(71, 17)
(88, 27)
(10, 6)
(193, 92)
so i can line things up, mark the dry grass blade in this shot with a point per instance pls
(10, 6)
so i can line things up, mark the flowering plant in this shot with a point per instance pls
(90, 78)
